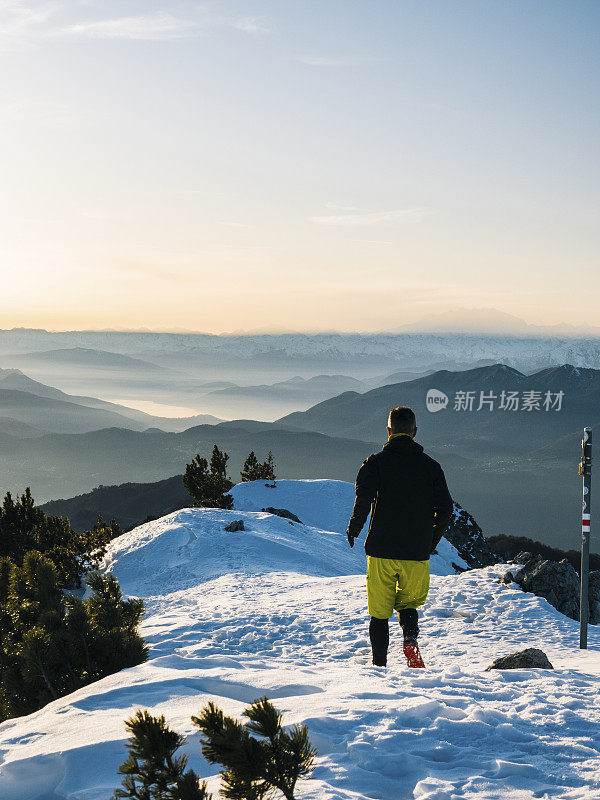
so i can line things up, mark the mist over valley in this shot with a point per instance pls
(319, 402)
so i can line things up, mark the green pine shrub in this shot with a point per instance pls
(254, 470)
(52, 643)
(251, 469)
(25, 527)
(267, 468)
(152, 771)
(255, 767)
(209, 484)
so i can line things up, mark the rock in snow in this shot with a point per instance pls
(236, 525)
(282, 512)
(558, 582)
(466, 535)
(532, 658)
(280, 610)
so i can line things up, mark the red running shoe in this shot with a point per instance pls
(413, 656)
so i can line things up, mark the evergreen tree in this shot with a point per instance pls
(152, 771)
(20, 526)
(95, 541)
(115, 642)
(196, 479)
(253, 767)
(80, 642)
(220, 481)
(267, 468)
(37, 609)
(52, 643)
(24, 527)
(209, 484)
(254, 470)
(251, 470)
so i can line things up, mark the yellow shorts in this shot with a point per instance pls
(394, 584)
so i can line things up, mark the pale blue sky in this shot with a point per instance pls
(350, 165)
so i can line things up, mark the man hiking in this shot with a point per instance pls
(411, 507)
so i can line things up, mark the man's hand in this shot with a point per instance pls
(350, 538)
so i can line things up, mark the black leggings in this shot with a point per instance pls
(409, 622)
(379, 633)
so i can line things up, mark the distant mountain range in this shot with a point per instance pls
(88, 359)
(516, 470)
(477, 427)
(30, 408)
(89, 371)
(275, 399)
(263, 377)
(270, 358)
(490, 321)
(62, 465)
(224, 398)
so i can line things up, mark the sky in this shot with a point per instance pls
(300, 165)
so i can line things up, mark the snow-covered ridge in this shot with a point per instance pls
(328, 504)
(191, 546)
(337, 347)
(280, 609)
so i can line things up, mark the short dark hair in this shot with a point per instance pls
(402, 420)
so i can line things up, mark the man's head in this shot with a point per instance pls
(402, 420)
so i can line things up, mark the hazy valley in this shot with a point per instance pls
(515, 469)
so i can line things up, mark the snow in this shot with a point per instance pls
(280, 609)
(325, 504)
(335, 348)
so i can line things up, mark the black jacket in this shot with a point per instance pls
(411, 502)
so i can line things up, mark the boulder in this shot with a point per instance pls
(236, 525)
(532, 658)
(466, 535)
(283, 512)
(522, 557)
(558, 583)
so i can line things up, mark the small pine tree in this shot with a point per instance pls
(267, 469)
(24, 528)
(220, 481)
(152, 771)
(52, 643)
(38, 610)
(253, 767)
(113, 622)
(35, 648)
(251, 469)
(196, 478)
(96, 540)
(209, 484)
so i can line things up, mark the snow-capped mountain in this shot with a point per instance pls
(280, 609)
(414, 350)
